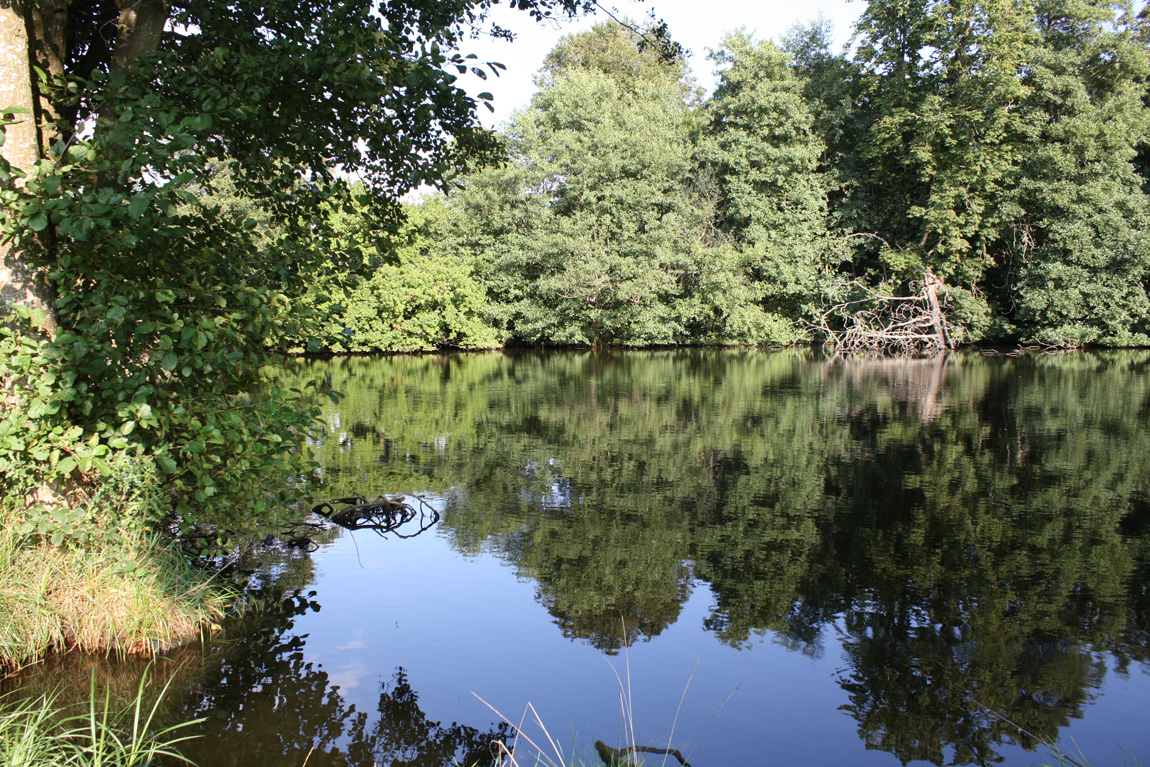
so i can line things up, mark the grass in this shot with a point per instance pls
(1060, 757)
(39, 733)
(630, 753)
(124, 594)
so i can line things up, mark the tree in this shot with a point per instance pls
(760, 147)
(1001, 141)
(944, 138)
(832, 89)
(423, 298)
(158, 311)
(601, 168)
(1079, 261)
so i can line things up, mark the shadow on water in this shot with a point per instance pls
(967, 534)
(265, 703)
(259, 699)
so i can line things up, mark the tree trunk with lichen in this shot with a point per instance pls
(20, 282)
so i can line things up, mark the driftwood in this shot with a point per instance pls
(621, 757)
(383, 515)
(878, 323)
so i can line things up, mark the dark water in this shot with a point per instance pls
(769, 557)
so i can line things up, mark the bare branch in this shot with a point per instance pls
(878, 323)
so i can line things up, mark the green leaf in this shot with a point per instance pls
(170, 362)
(139, 204)
(38, 222)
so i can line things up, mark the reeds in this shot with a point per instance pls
(631, 754)
(1060, 757)
(126, 594)
(37, 733)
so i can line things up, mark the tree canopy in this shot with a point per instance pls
(217, 184)
(140, 309)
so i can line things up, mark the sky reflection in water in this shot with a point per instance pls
(864, 553)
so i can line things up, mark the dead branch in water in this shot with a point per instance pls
(383, 515)
(623, 757)
(878, 323)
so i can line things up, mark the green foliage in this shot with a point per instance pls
(131, 379)
(601, 229)
(996, 145)
(728, 294)
(421, 300)
(999, 142)
(760, 147)
(1081, 261)
(945, 136)
(595, 224)
(174, 221)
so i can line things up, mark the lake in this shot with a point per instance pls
(753, 557)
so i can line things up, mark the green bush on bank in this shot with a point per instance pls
(417, 299)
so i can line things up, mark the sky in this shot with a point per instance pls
(696, 24)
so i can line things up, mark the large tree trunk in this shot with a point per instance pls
(20, 282)
(47, 24)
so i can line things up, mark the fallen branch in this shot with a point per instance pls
(878, 323)
(621, 757)
(383, 515)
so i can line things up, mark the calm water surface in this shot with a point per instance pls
(769, 557)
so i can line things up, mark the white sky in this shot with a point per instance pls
(696, 24)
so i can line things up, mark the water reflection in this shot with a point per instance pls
(970, 535)
(266, 702)
(969, 530)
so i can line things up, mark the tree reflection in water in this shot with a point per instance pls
(971, 534)
(264, 703)
(972, 530)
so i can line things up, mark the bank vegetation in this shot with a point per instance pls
(176, 220)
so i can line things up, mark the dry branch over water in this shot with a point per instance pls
(877, 323)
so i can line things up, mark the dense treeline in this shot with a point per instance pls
(170, 229)
(993, 150)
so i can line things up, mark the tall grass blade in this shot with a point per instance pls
(519, 732)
